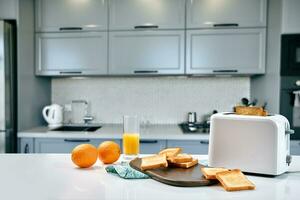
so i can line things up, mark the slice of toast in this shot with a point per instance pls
(186, 164)
(210, 172)
(170, 152)
(234, 180)
(252, 110)
(154, 162)
(180, 158)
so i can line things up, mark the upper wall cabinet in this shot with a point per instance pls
(8, 9)
(226, 51)
(291, 16)
(67, 15)
(226, 13)
(71, 53)
(146, 52)
(154, 14)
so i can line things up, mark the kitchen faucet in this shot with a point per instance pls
(87, 118)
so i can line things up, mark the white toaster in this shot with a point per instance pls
(254, 144)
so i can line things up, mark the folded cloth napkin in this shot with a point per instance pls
(125, 171)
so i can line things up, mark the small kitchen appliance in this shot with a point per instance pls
(254, 144)
(53, 115)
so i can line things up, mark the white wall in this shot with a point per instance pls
(158, 99)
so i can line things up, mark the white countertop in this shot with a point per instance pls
(54, 177)
(114, 131)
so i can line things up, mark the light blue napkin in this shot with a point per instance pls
(123, 170)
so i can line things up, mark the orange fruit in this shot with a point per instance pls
(84, 155)
(109, 152)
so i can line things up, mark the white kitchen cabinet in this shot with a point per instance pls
(226, 51)
(82, 53)
(26, 145)
(227, 13)
(291, 16)
(295, 147)
(8, 9)
(152, 146)
(190, 146)
(146, 52)
(67, 15)
(154, 14)
(58, 145)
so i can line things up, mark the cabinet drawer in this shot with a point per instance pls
(237, 13)
(295, 147)
(66, 15)
(71, 53)
(190, 146)
(64, 145)
(146, 52)
(231, 51)
(154, 14)
(152, 146)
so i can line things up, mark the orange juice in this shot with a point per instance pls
(131, 143)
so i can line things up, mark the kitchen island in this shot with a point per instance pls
(53, 176)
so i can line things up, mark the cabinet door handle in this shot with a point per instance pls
(77, 140)
(226, 25)
(289, 132)
(225, 71)
(148, 141)
(70, 28)
(26, 148)
(145, 71)
(71, 72)
(146, 27)
(204, 142)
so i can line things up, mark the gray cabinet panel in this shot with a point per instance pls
(55, 15)
(8, 9)
(26, 145)
(152, 146)
(230, 51)
(129, 14)
(295, 147)
(190, 146)
(146, 52)
(63, 145)
(71, 53)
(244, 13)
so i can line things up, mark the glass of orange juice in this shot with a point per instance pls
(131, 137)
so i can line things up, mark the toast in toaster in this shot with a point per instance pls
(234, 180)
(252, 110)
(180, 158)
(210, 172)
(186, 165)
(170, 152)
(154, 162)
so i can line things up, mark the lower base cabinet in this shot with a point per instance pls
(190, 146)
(58, 145)
(295, 147)
(66, 145)
(152, 146)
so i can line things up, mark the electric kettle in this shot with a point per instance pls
(53, 114)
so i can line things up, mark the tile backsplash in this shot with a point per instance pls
(160, 100)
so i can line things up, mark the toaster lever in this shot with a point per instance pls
(290, 131)
(288, 159)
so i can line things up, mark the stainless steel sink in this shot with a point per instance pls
(77, 128)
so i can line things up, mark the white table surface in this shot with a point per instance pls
(115, 131)
(52, 176)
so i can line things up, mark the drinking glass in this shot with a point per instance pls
(131, 137)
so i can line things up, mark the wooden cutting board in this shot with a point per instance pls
(191, 177)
